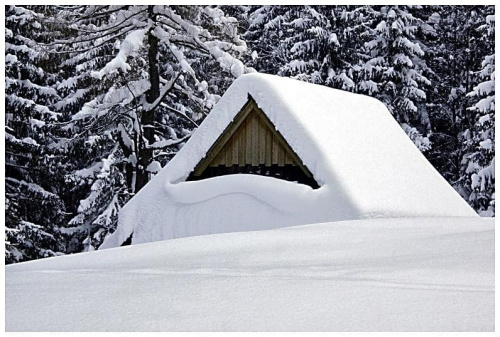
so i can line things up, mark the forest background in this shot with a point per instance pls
(99, 98)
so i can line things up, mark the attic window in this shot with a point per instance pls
(252, 145)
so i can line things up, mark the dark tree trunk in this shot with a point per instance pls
(148, 117)
(128, 168)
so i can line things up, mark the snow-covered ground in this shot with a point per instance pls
(416, 274)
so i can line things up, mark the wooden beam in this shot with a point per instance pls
(262, 142)
(241, 147)
(255, 141)
(274, 150)
(269, 147)
(248, 141)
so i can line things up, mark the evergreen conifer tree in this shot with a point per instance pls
(34, 211)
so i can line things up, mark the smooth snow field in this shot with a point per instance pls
(421, 274)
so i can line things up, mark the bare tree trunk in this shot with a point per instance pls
(148, 117)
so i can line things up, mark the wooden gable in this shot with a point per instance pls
(251, 144)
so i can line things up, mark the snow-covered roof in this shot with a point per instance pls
(365, 164)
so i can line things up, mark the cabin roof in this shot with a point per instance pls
(364, 163)
(349, 142)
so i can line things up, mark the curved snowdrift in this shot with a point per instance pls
(279, 194)
(234, 203)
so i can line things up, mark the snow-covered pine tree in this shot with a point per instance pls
(346, 50)
(265, 35)
(395, 63)
(301, 42)
(34, 211)
(142, 77)
(306, 45)
(451, 34)
(479, 141)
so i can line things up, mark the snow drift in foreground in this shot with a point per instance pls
(417, 274)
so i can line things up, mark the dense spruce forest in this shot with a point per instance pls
(99, 98)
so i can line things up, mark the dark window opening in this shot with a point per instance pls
(286, 172)
(128, 242)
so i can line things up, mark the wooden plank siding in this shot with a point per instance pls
(253, 144)
(250, 140)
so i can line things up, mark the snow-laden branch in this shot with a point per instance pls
(93, 47)
(95, 14)
(129, 47)
(164, 92)
(167, 143)
(180, 113)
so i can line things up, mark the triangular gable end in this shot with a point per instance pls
(251, 144)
